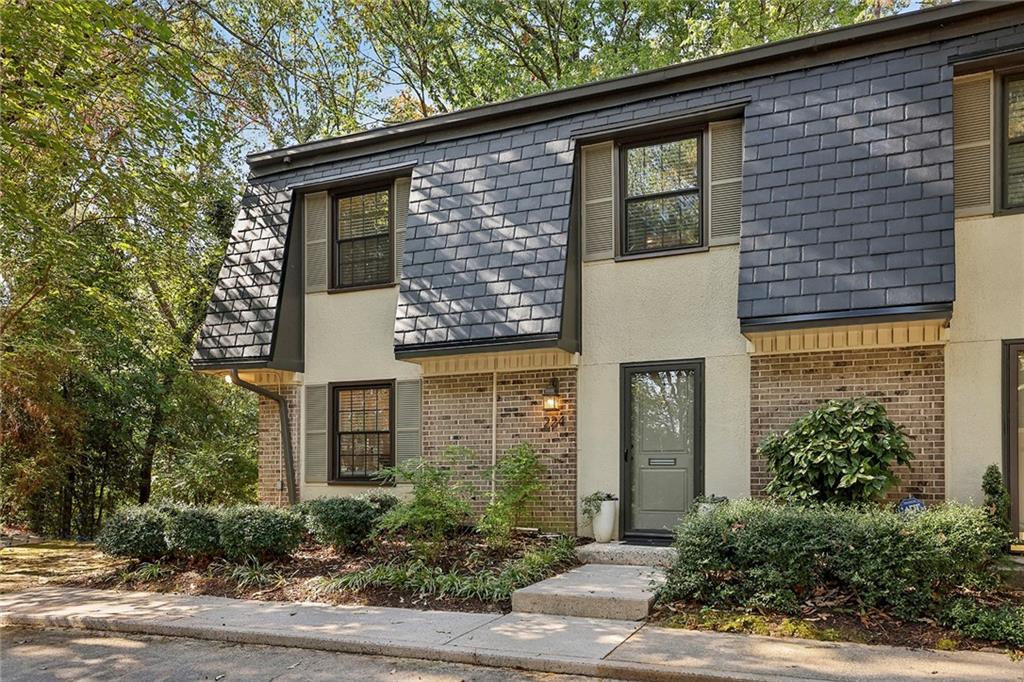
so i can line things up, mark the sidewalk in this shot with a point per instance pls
(557, 644)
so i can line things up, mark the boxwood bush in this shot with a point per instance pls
(262, 532)
(194, 532)
(343, 523)
(763, 555)
(135, 532)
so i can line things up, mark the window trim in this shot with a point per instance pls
(334, 241)
(622, 147)
(332, 421)
(1002, 123)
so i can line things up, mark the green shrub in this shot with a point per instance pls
(194, 532)
(420, 577)
(437, 506)
(1003, 624)
(843, 451)
(260, 532)
(343, 523)
(381, 502)
(516, 486)
(997, 496)
(763, 555)
(134, 532)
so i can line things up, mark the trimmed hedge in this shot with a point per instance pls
(194, 532)
(262, 532)
(763, 555)
(343, 523)
(135, 532)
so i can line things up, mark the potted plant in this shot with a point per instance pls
(600, 509)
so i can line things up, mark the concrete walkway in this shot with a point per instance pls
(558, 644)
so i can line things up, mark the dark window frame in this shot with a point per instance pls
(1011, 447)
(623, 145)
(1002, 139)
(333, 389)
(336, 241)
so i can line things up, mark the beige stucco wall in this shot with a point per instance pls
(989, 308)
(350, 337)
(669, 308)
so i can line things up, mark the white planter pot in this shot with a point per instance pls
(604, 522)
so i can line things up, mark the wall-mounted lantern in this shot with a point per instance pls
(552, 402)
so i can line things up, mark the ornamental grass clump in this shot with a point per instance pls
(777, 557)
(842, 451)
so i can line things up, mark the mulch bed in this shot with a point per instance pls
(824, 623)
(311, 561)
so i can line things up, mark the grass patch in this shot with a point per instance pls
(25, 566)
(716, 620)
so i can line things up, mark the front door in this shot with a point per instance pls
(663, 444)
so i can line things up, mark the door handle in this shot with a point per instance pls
(626, 453)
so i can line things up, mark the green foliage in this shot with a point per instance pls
(516, 486)
(382, 503)
(438, 505)
(261, 532)
(134, 532)
(763, 555)
(843, 451)
(343, 523)
(419, 577)
(251, 573)
(1003, 624)
(193, 532)
(591, 504)
(997, 496)
(147, 572)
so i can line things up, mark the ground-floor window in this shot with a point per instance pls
(1013, 402)
(363, 430)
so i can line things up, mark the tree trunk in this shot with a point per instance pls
(156, 421)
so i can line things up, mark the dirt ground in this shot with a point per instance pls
(51, 561)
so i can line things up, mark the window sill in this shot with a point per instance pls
(368, 482)
(659, 254)
(365, 287)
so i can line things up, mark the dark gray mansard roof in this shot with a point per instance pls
(847, 192)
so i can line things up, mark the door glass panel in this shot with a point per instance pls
(662, 447)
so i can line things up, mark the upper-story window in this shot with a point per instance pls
(661, 195)
(362, 239)
(1013, 142)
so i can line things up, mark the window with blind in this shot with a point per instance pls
(1013, 142)
(363, 236)
(661, 196)
(363, 430)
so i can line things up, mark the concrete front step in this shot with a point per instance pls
(593, 591)
(622, 554)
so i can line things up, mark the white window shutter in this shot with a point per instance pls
(315, 442)
(598, 201)
(972, 144)
(314, 217)
(408, 421)
(725, 189)
(401, 216)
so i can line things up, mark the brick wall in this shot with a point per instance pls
(457, 411)
(908, 381)
(272, 487)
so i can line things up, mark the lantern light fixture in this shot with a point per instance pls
(552, 401)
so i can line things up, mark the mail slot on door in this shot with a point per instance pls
(661, 461)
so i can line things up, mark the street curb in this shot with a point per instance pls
(547, 664)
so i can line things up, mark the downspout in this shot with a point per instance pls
(494, 430)
(286, 434)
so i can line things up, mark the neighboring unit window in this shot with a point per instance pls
(363, 431)
(1013, 158)
(661, 196)
(362, 239)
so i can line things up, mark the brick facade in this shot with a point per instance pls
(457, 410)
(272, 488)
(910, 382)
